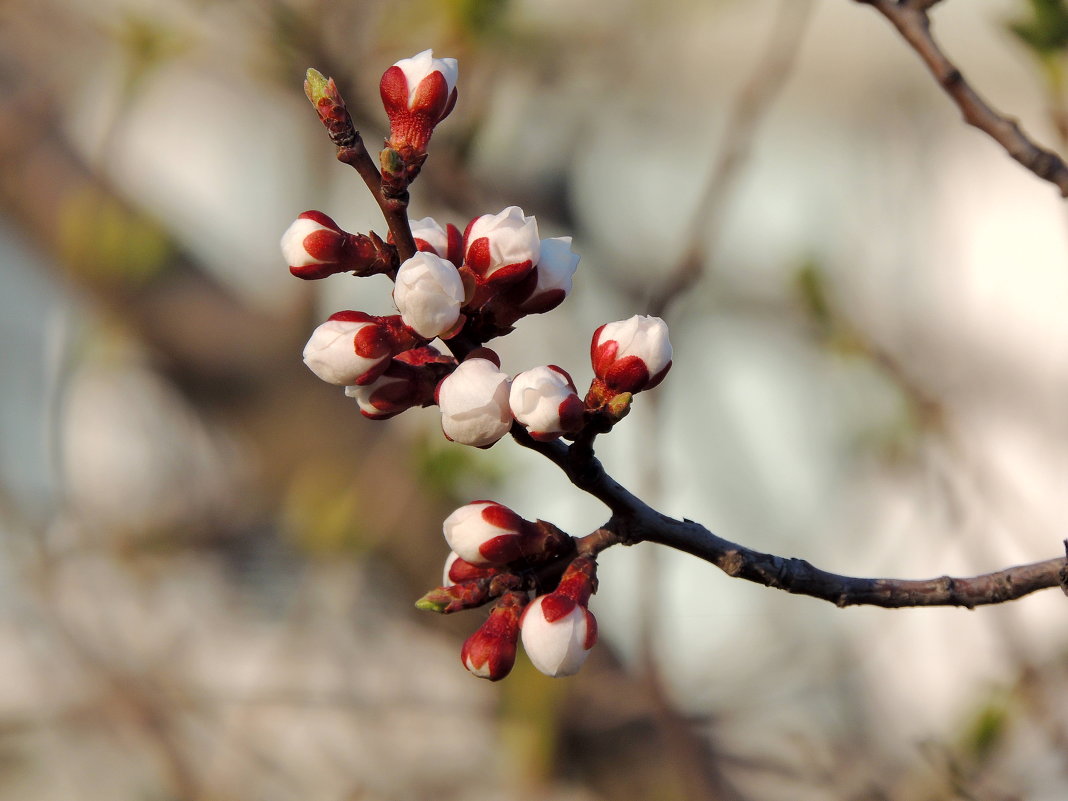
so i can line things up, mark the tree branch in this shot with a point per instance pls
(633, 521)
(750, 106)
(912, 22)
(394, 209)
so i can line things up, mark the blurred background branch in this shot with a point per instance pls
(914, 25)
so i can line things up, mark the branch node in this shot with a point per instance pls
(952, 79)
(732, 563)
(1063, 575)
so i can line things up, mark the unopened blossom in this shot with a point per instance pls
(458, 571)
(418, 93)
(485, 533)
(631, 355)
(474, 403)
(558, 629)
(554, 272)
(408, 381)
(314, 246)
(329, 105)
(502, 247)
(489, 653)
(544, 400)
(557, 646)
(348, 351)
(385, 397)
(428, 294)
(447, 242)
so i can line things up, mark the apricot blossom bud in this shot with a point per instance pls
(458, 571)
(409, 380)
(314, 246)
(485, 533)
(446, 242)
(555, 269)
(418, 93)
(385, 397)
(428, 294)
(489, 653)
(502, 247)
(329, 105)
(544, 400)
(558, 629)
(348, 351)
(474, 403)
(631, 355)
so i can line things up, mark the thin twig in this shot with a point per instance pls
(748, 110)
(634, 521)
(912, 22)
(394, 209)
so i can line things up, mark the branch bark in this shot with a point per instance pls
(633, 521)
(394, 209)
(913, 23)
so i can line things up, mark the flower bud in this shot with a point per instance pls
(385, 397)
(428, 294)
(323, 94)
(418, 93)
(474, 403)
(631, 355)
(314, 246)
(456, 597)
(348, 351)
(459, 571)
(446, 242)
(502, 247)
(409, 380)
(544, 400)
(555, 268)
(558, 629)
(485, 533)
(489, 653)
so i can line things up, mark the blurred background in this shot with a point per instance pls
(210, 559)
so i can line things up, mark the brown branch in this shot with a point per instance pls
(328, 103)
(394, 209)
(912, 22)
(633, 521)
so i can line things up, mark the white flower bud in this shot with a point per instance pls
(421, 66)
(344, 352)
(293, 249)
(428, 294)
(560, 646)
(450, 560)
(504, 244)
(633, 354)
(314, 246)
(556, 268)
(545, 401)
(474, 403)
(382, 398)
(484, 533)
(430, 231)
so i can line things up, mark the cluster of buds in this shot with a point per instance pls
(461, 288)
(499, 557)
(503, 271)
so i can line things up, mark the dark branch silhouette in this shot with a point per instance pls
(912, 22)
(633, 521)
